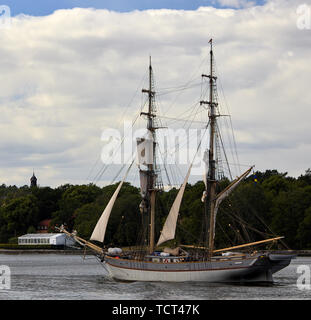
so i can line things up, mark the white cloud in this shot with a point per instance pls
(67, 76)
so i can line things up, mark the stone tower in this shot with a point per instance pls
(33, 180)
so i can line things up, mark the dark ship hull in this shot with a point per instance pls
(248, 268)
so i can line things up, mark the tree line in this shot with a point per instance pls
(265, 204)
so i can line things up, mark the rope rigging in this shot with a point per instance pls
(190, 116)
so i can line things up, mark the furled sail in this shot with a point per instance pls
(100, 228)
(205, 161)
(169, 228)
(144, 158)
(225, 193)
(145, 150)
(143, 174)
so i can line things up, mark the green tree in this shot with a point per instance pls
(18, 214)
(275, 184)
(304, 230)
(48, 201)
(288, 212)
(86, 219)
(305, 180)
(73, 198)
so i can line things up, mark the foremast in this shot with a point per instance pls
(211, 176)
(151, 173)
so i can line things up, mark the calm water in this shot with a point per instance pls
(57, 276)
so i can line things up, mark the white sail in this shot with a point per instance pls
(145, 150)
(100, 228)
(222, 195)
(168, 231)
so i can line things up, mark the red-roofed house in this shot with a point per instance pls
(43, 226)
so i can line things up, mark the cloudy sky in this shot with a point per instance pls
(72, 69)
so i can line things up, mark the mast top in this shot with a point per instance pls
(150, 67)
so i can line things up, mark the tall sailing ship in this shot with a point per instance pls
(188, 262)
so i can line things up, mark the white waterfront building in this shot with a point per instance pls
(57, 239)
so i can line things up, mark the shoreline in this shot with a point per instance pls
(300, 253)
(44, 251)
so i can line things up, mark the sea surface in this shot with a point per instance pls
(71, 277)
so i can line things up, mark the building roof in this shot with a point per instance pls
(40, 235)
(45, 222)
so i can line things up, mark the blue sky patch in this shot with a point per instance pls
(46, 7)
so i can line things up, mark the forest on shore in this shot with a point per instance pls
(265, 204)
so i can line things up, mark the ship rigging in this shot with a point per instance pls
(186, 262)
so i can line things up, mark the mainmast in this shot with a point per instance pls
(211, 176)
(151, 176)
